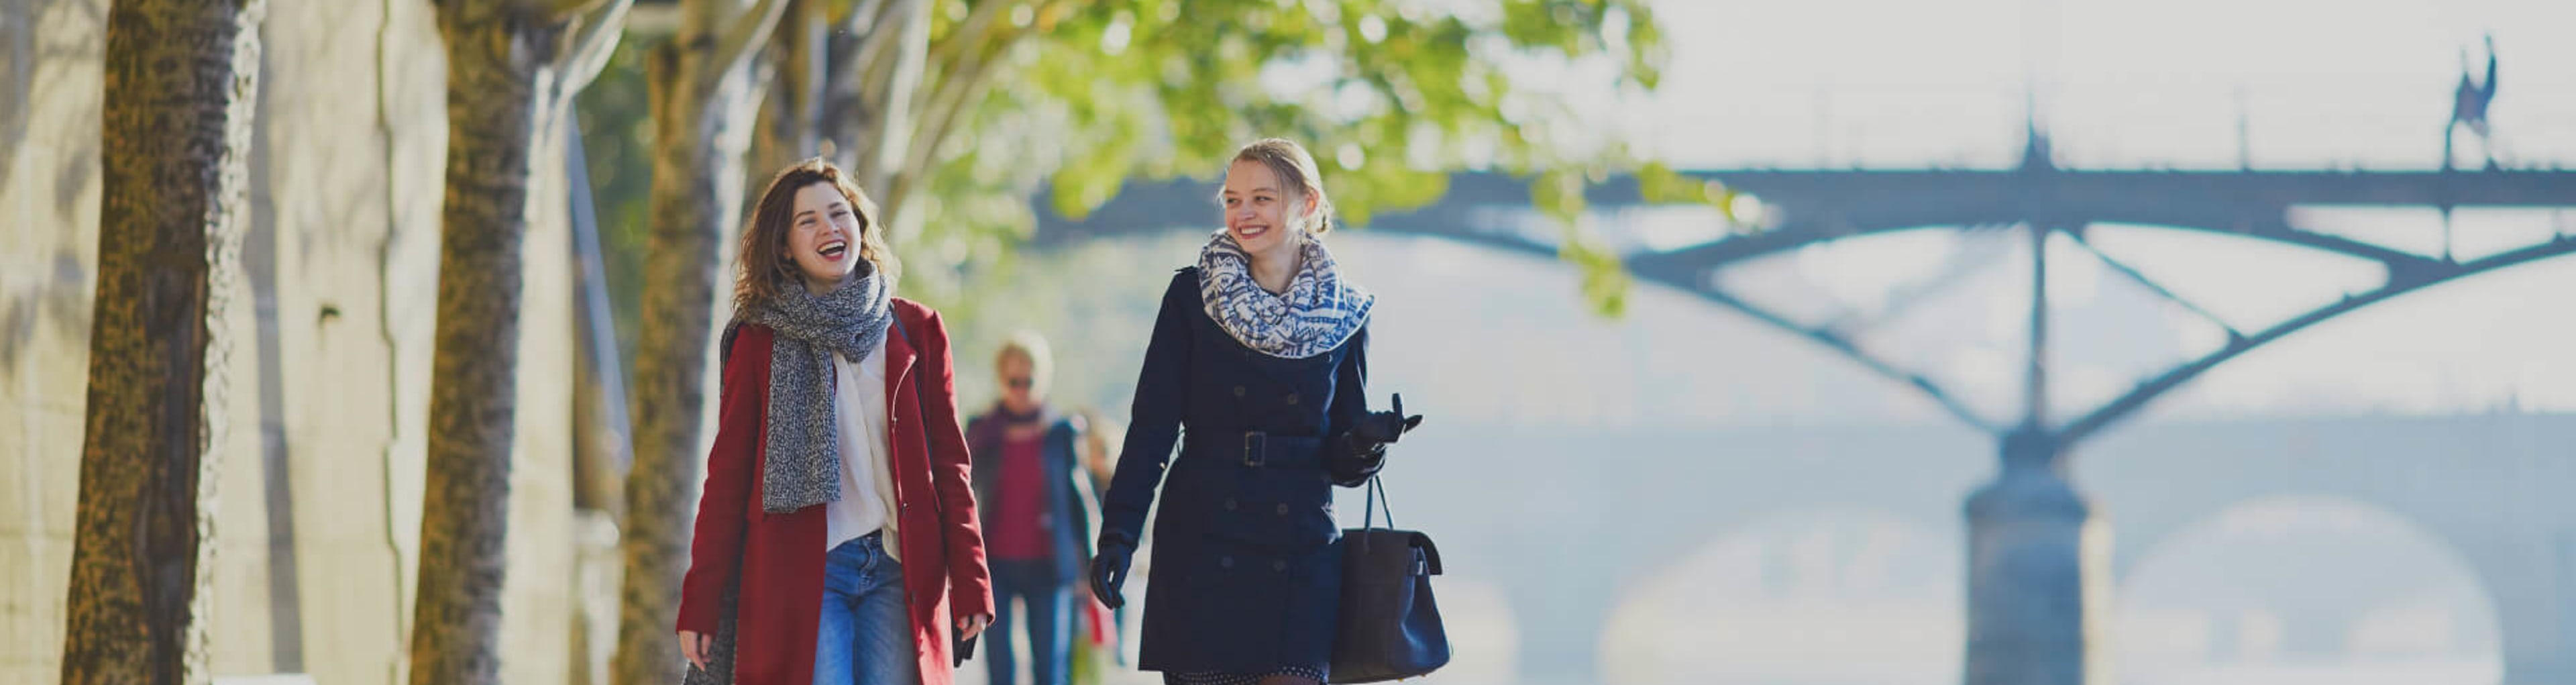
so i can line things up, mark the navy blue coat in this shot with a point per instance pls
(1246, 574)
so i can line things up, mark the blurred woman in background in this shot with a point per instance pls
(1035, 503)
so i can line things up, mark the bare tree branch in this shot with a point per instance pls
(558, 11)
(857, 109)
(958, 61)
(962, 72)
(748, 31)
(805, 82)
(939, 109)
(845, 57)
(895, 75)
(871, 68)
(789, 122)
(863, 16)
(923, 150)
(587, 46)
(963, 41)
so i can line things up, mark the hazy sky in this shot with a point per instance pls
(2316, 83)
(2121, 83)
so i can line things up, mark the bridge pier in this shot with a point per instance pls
(2535, 600)
(2039, 572)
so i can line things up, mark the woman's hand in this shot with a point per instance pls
(971, 626)
(695, 646)
(1385, 427)
(1109, 567)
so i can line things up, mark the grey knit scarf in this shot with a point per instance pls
(802, 464)
(1319, 312)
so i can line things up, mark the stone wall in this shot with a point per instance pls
(330, 401)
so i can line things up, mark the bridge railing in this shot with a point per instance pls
(2373, 122)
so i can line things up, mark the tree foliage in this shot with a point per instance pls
(1391, 95)
(1076, 98)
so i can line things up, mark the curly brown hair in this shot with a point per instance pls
(764, 267)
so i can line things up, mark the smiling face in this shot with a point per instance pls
(1262, 213)
(823, 237)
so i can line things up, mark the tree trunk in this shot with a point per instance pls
(495, 60)
(180, 82)
(703, 102)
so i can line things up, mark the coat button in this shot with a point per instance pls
(1279, 566)
(1292, 398)
(1229, 504)
(1225, 561)
(1238, 391)
(1283, 510)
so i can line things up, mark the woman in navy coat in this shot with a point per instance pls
(1257, 368)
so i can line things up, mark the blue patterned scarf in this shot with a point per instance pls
(1319, 312)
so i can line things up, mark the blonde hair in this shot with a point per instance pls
(1295, 169)
(764, 267)
(1030, 346)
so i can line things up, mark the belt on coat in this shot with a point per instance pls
(1259, 449)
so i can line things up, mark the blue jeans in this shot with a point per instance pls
(1050, 609)
(865, 638)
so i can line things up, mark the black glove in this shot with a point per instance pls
(1363, 447)
(1383, 427)
(1109, 567)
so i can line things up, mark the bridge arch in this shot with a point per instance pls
(2305, 587)
(2484, 488)
(1791, 596)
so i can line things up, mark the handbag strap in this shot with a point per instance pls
(1426, 558)
(1371, 501)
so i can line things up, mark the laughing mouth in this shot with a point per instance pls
(833, 250)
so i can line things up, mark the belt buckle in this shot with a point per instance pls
(1256, 448)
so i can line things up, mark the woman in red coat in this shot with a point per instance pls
(836, 540)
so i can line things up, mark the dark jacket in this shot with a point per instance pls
(1245, 575)
(1067, 524)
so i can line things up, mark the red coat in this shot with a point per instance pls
(779, 557)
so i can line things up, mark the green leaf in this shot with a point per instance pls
(1605, 280)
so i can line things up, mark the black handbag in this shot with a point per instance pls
(1389, 627)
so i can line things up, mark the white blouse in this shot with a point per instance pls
(867, 486)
